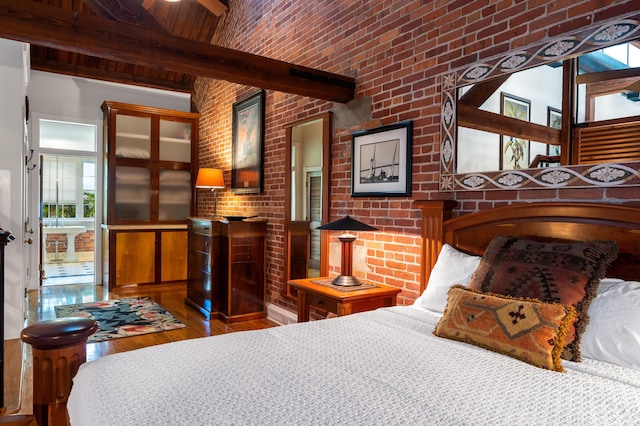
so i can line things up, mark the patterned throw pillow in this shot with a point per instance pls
(525, 329)
(563, 272)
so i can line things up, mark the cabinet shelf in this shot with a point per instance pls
(174, 140)
(137, 136)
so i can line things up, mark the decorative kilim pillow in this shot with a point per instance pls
(563, 272)
(529, 330)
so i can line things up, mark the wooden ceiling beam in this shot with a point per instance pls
(49, 26)
(109, 75)
(474, 118)
(125, 11)
(217, 7)
(480, 92)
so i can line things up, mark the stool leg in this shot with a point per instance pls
(53, 370)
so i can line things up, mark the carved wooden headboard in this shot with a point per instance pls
(472, 233)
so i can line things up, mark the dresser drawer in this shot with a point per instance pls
(199, 261)
(248, 250)
(201, 227)
(322, 303)
(199, 242)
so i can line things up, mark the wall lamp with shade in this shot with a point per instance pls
(346, 224)
(211, 179)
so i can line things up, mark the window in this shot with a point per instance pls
(608, 85)
(88, 188)
(67, 136)
(68, 187)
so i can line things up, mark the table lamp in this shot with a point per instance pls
(211, 179)
(346, 224)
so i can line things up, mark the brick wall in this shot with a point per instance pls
(398, 52)
(83, 242)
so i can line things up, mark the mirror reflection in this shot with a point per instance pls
(306, 190)
(530, 119)
(306, 198)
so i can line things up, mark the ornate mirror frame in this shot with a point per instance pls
(599, 175)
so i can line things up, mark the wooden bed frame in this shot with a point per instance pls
(572, 221)
(567, 221)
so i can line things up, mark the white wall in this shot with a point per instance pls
(12, 88)
(73, 97)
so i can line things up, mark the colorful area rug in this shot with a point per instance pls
(122, 317)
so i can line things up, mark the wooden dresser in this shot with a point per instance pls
(226, 268)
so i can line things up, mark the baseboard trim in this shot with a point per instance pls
(280, 315)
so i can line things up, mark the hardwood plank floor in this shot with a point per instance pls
(41, 307)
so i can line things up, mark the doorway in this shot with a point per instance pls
(65, 197)
(67, 209)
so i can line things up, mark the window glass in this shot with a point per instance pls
(601, 97)
(68, 136)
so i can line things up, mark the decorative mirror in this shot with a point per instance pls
(540, 118)
(307, 198)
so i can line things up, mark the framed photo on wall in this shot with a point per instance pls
(381, 161)
(248, 144)
(514, 151)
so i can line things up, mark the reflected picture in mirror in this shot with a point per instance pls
(514, 150)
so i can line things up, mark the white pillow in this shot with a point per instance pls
(452, 267)
(613, 332)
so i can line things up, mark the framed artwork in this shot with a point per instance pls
(381, 161)
(247, 144)
(514, 151)
(554, 120)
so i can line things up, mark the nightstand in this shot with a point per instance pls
(319, 292)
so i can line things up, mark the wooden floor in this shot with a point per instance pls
(41, 307)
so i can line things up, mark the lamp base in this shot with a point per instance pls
(346, 281)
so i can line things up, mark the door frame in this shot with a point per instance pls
(32, 210)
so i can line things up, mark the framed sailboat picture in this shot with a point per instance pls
(381, 161)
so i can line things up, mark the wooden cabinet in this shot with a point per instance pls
(134, 255)
(226, 275)
(150, 165)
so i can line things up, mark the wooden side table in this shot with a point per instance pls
(339, 301)
(58, 348)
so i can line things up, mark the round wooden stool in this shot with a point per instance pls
(58, 348)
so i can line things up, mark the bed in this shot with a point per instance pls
(387, 366)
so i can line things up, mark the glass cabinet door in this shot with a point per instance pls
(132, 194)
(133, 137)
(174, 194)
(175, 141)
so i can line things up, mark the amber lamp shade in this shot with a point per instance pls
(211, 179)
(346, 224)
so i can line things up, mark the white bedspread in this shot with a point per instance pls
(376, 368)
